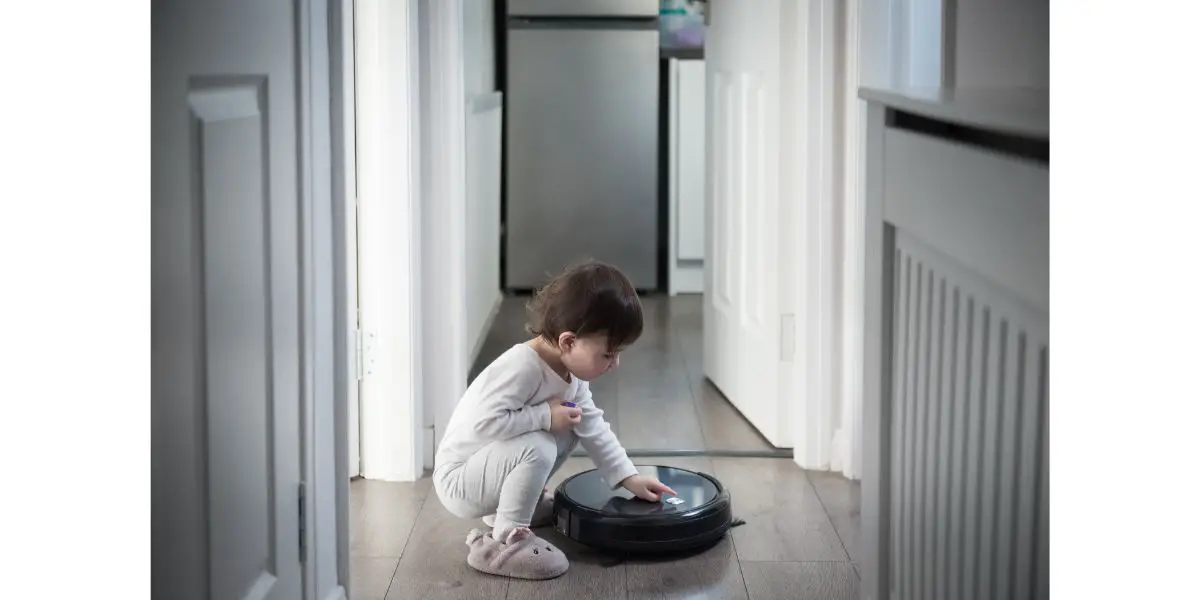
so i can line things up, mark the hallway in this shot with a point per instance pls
(658, 399)
(801, 531)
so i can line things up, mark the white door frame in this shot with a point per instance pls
(325, 506)
(345, 171)
(881, 42)
(847, 455)
(389, 185)
(446, 348)
(345, 421)
(867, 50)
(870, 36)
(809, 191)
(878, 51)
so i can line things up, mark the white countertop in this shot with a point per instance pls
(1021, 111)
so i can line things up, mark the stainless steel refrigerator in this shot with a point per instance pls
(582, 138)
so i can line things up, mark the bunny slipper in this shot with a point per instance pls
(522, 555)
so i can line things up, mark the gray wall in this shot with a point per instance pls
(1001, 43)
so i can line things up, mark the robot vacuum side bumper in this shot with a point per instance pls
(654, 533)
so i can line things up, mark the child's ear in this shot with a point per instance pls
(566, 340)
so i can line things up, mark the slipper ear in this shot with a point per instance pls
(518, 534)
(474, 536)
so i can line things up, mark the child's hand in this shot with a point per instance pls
(562, 417)
(646, 488)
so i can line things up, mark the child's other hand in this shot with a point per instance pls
(646, 488)
(563, 418)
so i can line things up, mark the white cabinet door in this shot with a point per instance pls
(226, 339)
(741, 305)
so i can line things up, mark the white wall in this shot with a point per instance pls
(484, 109)
(416, 258)
(1002, 43)
(443, 279)
(479, 46)
(484, 115)
(688, 176)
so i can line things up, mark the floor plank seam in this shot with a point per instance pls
(738, 559)
(408, 538)
(625, 568)
(825, 508)
(677, 345)
(797, 562)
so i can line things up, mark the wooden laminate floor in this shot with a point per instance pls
(799, 540)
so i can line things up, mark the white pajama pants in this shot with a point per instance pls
(504, 478)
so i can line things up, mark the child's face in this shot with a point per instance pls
(588, 357)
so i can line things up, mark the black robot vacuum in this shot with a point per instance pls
(588, 511)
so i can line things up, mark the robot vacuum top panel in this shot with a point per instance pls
(588, 491)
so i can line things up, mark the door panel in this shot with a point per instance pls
(229, 144)
(742, 265)
(225, 326)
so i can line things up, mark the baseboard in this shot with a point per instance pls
(399, 476)
(482, 334)
(338, 593)
(687, 278)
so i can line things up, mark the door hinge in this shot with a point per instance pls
(787, 337)
(364, 352)
(301, 504)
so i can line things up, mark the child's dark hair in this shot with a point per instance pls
(590, 298)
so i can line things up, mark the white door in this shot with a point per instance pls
(226, 339)
(742, 322)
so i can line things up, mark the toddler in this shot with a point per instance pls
(524, 414)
